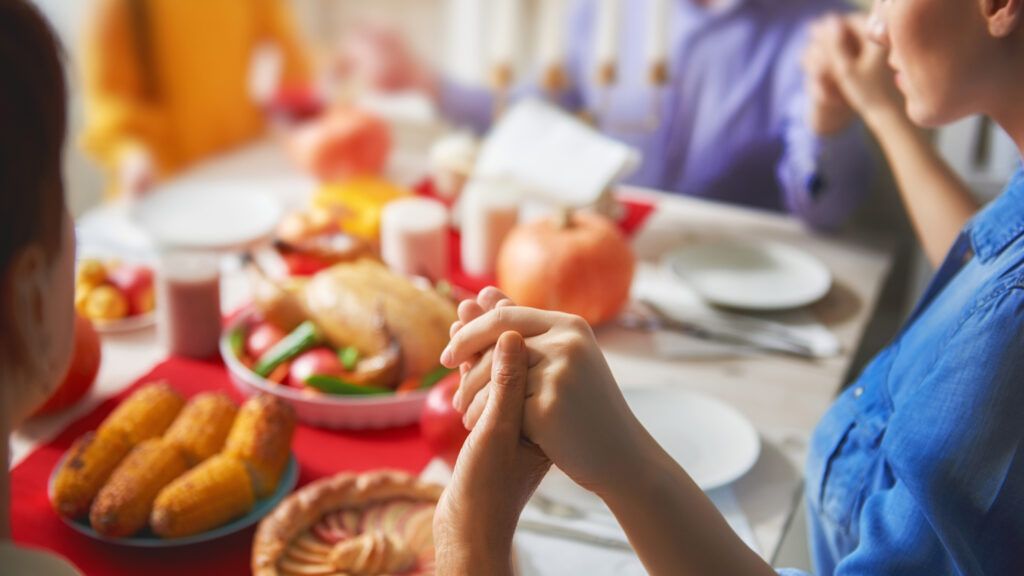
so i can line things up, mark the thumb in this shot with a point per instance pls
(504, 410)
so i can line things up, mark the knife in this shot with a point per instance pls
(778, 341)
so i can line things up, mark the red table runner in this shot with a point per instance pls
(320, 453)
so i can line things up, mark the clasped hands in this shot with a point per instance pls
(847, 73)
(535, 390)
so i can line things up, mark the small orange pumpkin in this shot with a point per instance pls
(343, 144)
(578, 263)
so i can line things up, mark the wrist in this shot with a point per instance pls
(467, 557)
(469, 545)
(651, 482)
(883, 119)
(830, 120)
(637, 458)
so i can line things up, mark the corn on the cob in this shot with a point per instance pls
(145, 414)
(88, 465)
(203, 425)
(123, 506)
(216, 491)
(262, 437)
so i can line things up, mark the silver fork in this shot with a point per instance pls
(774, 339)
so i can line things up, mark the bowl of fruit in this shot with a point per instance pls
(116, 295)
(354, 346)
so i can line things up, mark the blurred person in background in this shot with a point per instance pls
(167, 82)
(916, 469)
(861, 83)
(739, 120)
(37, 245)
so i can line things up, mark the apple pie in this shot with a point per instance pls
(359, 525)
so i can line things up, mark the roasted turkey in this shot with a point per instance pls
(365, 305)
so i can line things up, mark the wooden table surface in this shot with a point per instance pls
(783, 396)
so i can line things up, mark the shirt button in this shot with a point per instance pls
(858, 391)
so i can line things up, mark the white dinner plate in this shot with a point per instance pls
(712, 441)
(752, 276)
(126, 324)
(215, 216)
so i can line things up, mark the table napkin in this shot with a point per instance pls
(552, 156)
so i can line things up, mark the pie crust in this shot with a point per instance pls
(350, 524)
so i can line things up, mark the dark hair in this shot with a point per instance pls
(33, 120)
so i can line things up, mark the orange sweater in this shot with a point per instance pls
(194, 100)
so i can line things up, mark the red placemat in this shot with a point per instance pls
(319, 452)
(634, 215)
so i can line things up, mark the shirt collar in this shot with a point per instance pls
(1001, 222)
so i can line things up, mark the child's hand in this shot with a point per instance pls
(496, 473)
(574, 409)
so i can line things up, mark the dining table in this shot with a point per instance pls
(782, 395)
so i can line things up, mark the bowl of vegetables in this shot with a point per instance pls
(353, 347)
(302, 368)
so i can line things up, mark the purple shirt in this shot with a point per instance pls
(731, 124)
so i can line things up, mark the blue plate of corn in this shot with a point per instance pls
(164, 471)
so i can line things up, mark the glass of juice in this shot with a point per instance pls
(188, 289)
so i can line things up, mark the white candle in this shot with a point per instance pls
(490, 210)
(414, 238)
(505, 32)
(551, 50)
(552, 39)
(657, 39)
(608, 20)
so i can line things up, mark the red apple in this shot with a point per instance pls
(318, 361)
(136, 283)
(261, 338)
(441, 423)
(85, 364)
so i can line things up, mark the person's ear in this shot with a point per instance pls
(1002, 16)
(27, 278)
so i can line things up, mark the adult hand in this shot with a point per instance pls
(859, 66)
(495, 475)
(828, 111)
(574, 409)
(380, 59)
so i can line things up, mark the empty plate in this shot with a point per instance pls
(711, 440)
(762, 276)
(216, 216)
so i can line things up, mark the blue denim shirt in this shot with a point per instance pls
(918, 468)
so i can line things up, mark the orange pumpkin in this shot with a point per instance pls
(345, 143)
(85, 365)
(578, 263)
